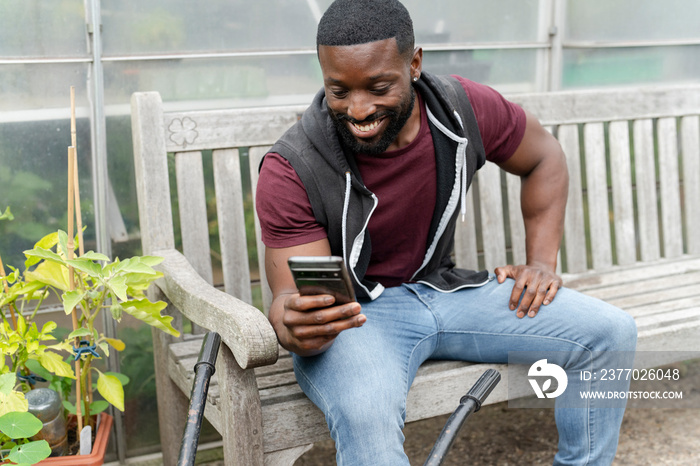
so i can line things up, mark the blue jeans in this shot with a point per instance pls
(361, 382)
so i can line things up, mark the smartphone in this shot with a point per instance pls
(315, 275)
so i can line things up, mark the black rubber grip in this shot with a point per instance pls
(482, 388)
(209, 351)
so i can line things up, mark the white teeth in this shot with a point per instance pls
(366, 128)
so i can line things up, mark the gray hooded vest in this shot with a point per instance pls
(343, 205)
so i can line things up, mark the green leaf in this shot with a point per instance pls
(150, 261)
(149, 312)
(48, 327)
(123, 378)
(71, 299)
(48, 241)
(135, 265)
(15, 401)
(96, 407)
(111, 389)
(104, 347)
(80, 332)
(63, 243)
(86, 266)
(21, 325)
(70, 407)
(7, 215)
(116, 344)
(53, 362)
(49, 273)
(95, 256)
(20, 425)
(118, 286)
(36, 367)
(7, 383)
(45, 254)
(30, 453)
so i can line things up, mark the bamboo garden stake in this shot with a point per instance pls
(71, 279)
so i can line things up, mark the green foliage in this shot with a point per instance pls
(86, 285)
(17, 427)
(99, 284)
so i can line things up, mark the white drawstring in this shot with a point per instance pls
(464, 187)
(346, 206)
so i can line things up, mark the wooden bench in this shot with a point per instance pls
(631, 239)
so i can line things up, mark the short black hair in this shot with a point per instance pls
(353, 22)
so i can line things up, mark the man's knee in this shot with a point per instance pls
(618, 331)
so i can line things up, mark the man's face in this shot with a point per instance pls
(368, 93)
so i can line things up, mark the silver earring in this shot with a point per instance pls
(415, 79)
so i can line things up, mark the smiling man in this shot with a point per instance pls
(376, 171)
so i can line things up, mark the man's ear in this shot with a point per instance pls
(417, 62)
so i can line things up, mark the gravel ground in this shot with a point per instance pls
(500, 436)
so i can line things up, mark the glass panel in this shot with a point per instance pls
(159, 26)
(35, 28)
(603, 20)
(507, 70)
(141, 413)
(621, 66)
(34, 136)
(162, 26)
(24, 89)
(233, 82)
(454, 21)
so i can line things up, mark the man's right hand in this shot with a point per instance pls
(305, 325)
(308, 325)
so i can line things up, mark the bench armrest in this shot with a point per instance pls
(244, 329)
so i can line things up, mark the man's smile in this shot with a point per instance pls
(366, 130)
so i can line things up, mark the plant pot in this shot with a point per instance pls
(97, 457)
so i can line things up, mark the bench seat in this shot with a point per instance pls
(646, 291)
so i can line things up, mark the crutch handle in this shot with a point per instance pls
(482, 388)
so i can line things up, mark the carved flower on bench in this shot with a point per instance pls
(183, 131)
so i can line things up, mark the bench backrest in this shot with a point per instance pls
(633, 157)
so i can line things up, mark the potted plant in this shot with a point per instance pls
(87, 284)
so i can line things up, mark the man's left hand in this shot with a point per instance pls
(535, 285)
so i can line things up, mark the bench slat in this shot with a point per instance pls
(229, 208)
(671, 223)
(255, 156)
(621, 178)
(690, 146)
(597, 195)
(645, 174)
(466, 253)
(574, 232)
(193, 212)
(491, 209)
(515, 219)
(591, 280)
(218, 129)
(581, 106)
(658, 297)
(649, 285)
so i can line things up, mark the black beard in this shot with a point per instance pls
(397, 120)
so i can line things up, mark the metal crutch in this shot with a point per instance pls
(468, 404)
(203, 370)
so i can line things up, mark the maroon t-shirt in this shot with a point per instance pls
(404, 182)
